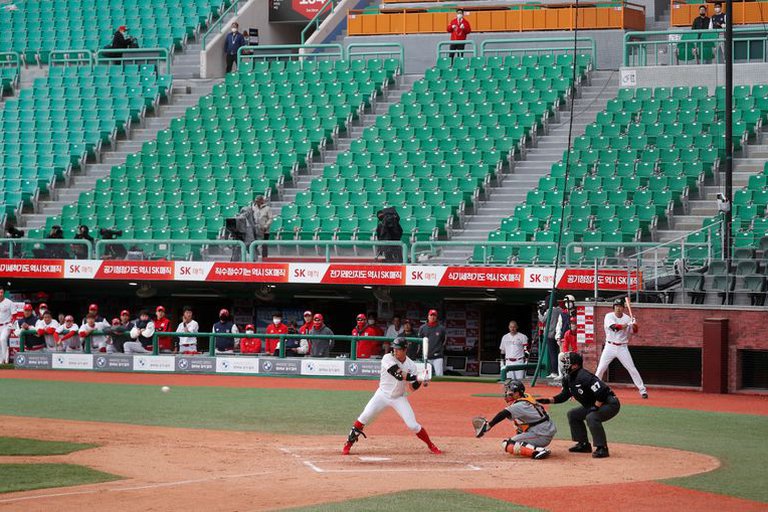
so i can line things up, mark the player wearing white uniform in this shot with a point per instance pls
(398, 373)
(7, 310)
(188, 344)
(618, 328)
(69, 340)
(513, 346)
(46, 327)
(98, 341)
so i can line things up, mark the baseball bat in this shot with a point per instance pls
(424, 352)
(629, 307)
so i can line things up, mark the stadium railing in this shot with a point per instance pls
(330, 248)
(46, 248)
(552, 45)
(10, 72)
(682, 12)
(215, 27)
(322, 13)
(522, 17)
(211, 351)
(196, 250)
(676, 47)
(158, 56)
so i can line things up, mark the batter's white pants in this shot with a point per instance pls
(5, 333)
(379, 402)
(437, 364)
(620, 352)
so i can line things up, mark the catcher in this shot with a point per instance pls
(535, 429)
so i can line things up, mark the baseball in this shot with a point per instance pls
(165, 389)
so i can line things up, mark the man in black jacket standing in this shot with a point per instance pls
(598, 404)
(119, 41)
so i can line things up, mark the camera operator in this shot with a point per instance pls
(52, 251)
(113, 251)
(78, 250)
(121, 40)
(389, 229)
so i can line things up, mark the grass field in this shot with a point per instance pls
(34, 447)
(738, 440)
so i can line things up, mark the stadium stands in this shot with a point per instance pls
(640, 160)
(53, 127)
(744, 13)
(435, 152)
(88, 24)
(250, 136)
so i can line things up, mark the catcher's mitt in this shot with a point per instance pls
(480, 425)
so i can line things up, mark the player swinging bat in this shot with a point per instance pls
(398, 372)
(535, 429)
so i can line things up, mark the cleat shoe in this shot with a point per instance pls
(541, 454)
(434, 449)
(581, 448)
(601, 452)
(345, 450)
(552, 376)
(645, 396)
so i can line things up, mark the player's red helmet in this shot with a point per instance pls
(93, 307)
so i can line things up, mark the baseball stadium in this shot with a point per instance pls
(378, 255)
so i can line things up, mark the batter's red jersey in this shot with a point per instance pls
(271, 343)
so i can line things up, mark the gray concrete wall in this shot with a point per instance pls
(710, 75)
(253, 14)
(420, 49)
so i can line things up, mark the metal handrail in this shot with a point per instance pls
(328, 245)
(485, 245)
(71, 57)
(567, 46)
(11, 60)
(470, 48)
(17, 242)
(124, 242)
(399, 50)
(86, 345)
(162, 55)
(315, 22)
(673, 40)
(289, 51)
(219, 22)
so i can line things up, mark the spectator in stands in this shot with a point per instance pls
(80, 251)
(120, 41)
(54, 251)
(320, 347)
(250, 345)
(69, 341)
(366, 348)
(436, 334)
(27, 322)
(276, 327)
(717, 21)
(413, 349)
(262, 219)
(99, 342)
(701, 22)
(188, 344)
(232, 44)
(46, 328)
(121, 333)
(224, 344)
(395, 329)
(459, 28)
(142, 331)
(163, 324)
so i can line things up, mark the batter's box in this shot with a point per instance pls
(400, 463)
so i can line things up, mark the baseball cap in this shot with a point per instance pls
(28, 307)
(432, 312)
(125, 312)
(42, 305)
(361, 317)
(94, 307)
(250, 326)
(224, 311)
(122, 27)
(160, 308)
(318, 318)
(307, 313)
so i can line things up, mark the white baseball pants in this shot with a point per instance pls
(379, 402)
(5, 333)
(620, 352)
(437, 364)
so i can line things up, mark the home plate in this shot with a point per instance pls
(373, 459)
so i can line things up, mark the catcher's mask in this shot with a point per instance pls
(570, 359)
(512, 386)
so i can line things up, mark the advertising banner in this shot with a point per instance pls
(113, 363)
(196, 364)
(324, 367)
(38, 269)
(249, 365)
(33, 360)
(298, 11)
(363, 368)
(280, 366)
(72, 361)
(154, 363)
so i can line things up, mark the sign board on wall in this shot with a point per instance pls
(297, 11)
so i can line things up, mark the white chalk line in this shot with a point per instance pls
(317, 469)
(134, 488)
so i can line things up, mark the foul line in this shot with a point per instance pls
(134, 488)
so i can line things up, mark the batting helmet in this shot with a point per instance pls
(512, 386)
(224, 312)
(618, 302)
(571, 359)
(399, 342)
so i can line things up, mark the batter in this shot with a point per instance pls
(397, 372)
(535, 429)
(618, 328)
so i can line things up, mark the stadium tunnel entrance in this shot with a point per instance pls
(475, 319)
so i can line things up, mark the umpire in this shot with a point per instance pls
(598, 404)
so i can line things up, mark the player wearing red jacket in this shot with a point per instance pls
(567, 344)
(276, 327)
(250, 345)
(459, 28)
(366, 348)
(163, 324)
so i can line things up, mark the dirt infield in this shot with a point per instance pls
(181, 469)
